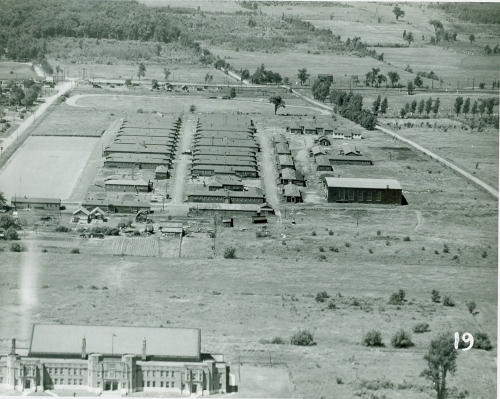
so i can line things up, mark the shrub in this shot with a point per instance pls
(348, 245)
(334, 249)
(387, 243)
(104, 288)
(397, 298)
(44, 250)
(407, 238)
(302, 338)
(370, 250)
(278, 341)
(75, 251)
(11, 234)
(471, 306)
(93, 287)
(321, 249)
(420, 328)
(485, 254)
(330, 232)
(321, 296)
(313, 233)
(140, 110)
(379, 232)
(436, 252)
(401, 339)
(192, 108)
(230, 253)
(339, 380)
(482, 341)
(435, 296)
(332, 305)
(446, 249)
(62, 229)
(15, 247)
(322, 257)
(372, 338)
(447, 301)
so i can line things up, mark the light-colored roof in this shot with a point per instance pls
(126, 182)
(82, 210)
(97, 210)
(345, 182)
(161, 168)
(289, 174)
(67, 340)
(291, 190)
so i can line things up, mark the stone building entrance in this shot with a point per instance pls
(111, 385)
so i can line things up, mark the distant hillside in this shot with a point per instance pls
(478, 13)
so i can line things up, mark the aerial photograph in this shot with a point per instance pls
(249, 199)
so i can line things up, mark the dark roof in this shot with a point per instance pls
(141, 158)
(348, 158)
(162, 342)
(34, 200)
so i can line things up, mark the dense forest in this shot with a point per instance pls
(478, 13)
(28, 29)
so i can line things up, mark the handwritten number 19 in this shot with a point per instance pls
(467, 338)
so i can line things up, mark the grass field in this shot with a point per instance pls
(46, 167)
(20, 71)
(240, 306)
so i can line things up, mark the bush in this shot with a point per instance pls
(397, 298)
(11, 234)
(482, 341)
(471, 306)
(93, 287)
(370, 250)
(75, 251)
(302, 338)
(407, 238)
(321, 249)
(379, 232)
(322, 257)
(332, 305)
(44, 250)
(348, 245)
(401, 339)
(230, 253)
(334, 249)
(330, 232)
(420, 328)
(321, 296)
(62, 229)
(140, 110)
(313, 233)
(447, 301)
(339, 380)
(15, 247)
(485, 254)
(372, 338)
(278, 341)
(192, 108)
(446, 249)
(435, 296)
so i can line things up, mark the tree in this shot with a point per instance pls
(208, 78)
(157, 49)
(466, 107)
(472, 38)
(303, 75)
(232, 93)
(487, 49)
(245, 74)
(321, 89)
(393, 77)
(381, 79)
(474, 108)
(441, 360)
(418, 81)
(458, 104)
(428, 106)
(413, 106)
(435, 109)
(384, 106)
(141, 71)
(438, 25)
(398, 12)
(154, 83)
(409, 37)
(166, 72)
(410, 87)
(11, 234)
(3, 201)
(376, 104)
(252, 23)
(278, 103)
(421, 106)
(355, 80)
(402, 111)
(490, 103)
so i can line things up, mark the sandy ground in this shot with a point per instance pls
(46, 167)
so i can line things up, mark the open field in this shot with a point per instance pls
(20, 71)
(240, 306)
(46, 167)
(203, 5)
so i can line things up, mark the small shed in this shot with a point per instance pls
(98, 214)
(291, 193)
(257, 219)
(161, 172)
(228, 222)
(172, 228)
(324, 141)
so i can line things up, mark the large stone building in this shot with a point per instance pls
(122, 360)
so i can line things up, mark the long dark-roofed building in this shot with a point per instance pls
(382, 191)
(114, 360)
(50, 204)
(142, 161)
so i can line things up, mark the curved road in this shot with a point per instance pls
(480, 183)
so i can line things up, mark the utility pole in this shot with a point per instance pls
(473, 79)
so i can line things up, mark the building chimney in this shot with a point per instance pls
(84, 348)
(144, 349)
(387, 187)
(13, 348)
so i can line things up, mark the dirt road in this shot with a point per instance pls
(181, 164)
(480, 183)
(267, 170)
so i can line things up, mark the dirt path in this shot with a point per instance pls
(267, 171)
(182, 163)
(480, 183)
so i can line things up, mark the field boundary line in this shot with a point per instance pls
(475, 180)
